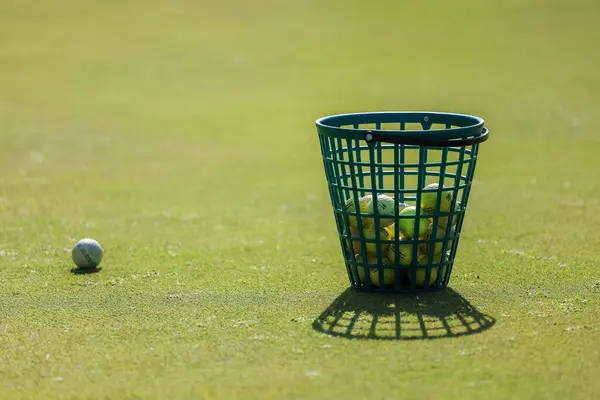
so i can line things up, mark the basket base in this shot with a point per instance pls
(401, 290)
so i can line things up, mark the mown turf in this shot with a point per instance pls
(180, 135)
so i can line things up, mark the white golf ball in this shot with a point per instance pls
(87, 253)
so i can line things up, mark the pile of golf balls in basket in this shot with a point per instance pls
(400, 252)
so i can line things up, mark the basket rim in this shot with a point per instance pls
(468, 127)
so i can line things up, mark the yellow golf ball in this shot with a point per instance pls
(421, 273)
(350, 208)
(407, 225)
(374, 271)
(388, 274)
(429, 199)
(371, 234)
(438, 246)
(443, 221)
(405, 252)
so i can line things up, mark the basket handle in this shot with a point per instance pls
(382, 136)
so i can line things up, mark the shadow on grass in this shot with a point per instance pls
(85, 271)
(434, 315)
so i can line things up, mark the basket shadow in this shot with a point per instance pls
(434, 315)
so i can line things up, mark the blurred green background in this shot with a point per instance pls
(180, 134)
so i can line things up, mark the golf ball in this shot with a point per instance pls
(87, 253)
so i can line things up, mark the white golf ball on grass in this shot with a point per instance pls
(87, 253)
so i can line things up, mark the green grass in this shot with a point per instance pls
(181, 136)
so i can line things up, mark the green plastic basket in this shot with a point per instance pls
(398, 154)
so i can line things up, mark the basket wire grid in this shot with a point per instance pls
(398, 154)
